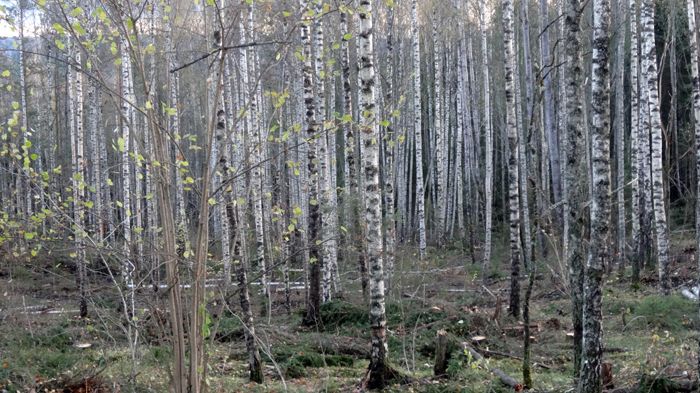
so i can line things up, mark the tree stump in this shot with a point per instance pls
(441, 353)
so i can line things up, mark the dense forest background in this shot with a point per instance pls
(201, 193)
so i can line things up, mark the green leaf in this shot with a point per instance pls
(6, 73)
(101, 14)
(347, 36)
(297, 211)
(77, 11)
(211, 201)
(29, 235)
(15, 105)
(121, 144)
(59, 29)
(60, 45)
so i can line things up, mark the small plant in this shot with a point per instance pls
(666, 312)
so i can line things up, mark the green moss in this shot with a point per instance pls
(338, 313)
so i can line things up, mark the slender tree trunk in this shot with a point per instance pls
(635, 141)
(439, 134)
(127, 113)
(390, 144)
(512, 131)
(619, 127)
(550, 130)
(488, 142)
(659, 202)
(417, 125)
(599, 254)
(237, 242)
(79, 185)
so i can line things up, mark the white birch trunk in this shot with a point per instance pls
(651, 86)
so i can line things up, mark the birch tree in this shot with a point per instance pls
(488, 141)
(418, 135)
(513, 156)
(650, 82)
(599, 255)
(373, 198)
(314, 214)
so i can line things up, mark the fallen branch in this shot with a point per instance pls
(502, 376)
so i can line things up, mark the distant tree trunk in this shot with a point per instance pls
(96, 164)
(527, 160)
(651, 85)
(550, 130)
(576, 171)
(314, 214)
(417, 124)
(256, 141)
(599, 254)
(488, 142)
(513, 156)
(372, 197)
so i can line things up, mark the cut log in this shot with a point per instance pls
(442, 353)
(502, 376)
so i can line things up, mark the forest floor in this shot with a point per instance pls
(45, 346)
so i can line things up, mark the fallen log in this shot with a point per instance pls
(502, 376)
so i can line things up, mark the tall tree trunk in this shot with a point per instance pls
(127, 120)
(619, 136)
(314, 214)
(635, 142)
(599, 255)
(651, 86)
(513, 156)
(550, 130)
(488, 141)
(372, 196)
(695, 69)
(438, 132)
(79, 184)
(390, 144)
(576, 171)
(417, 129)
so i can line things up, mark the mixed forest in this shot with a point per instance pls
(349, 195)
